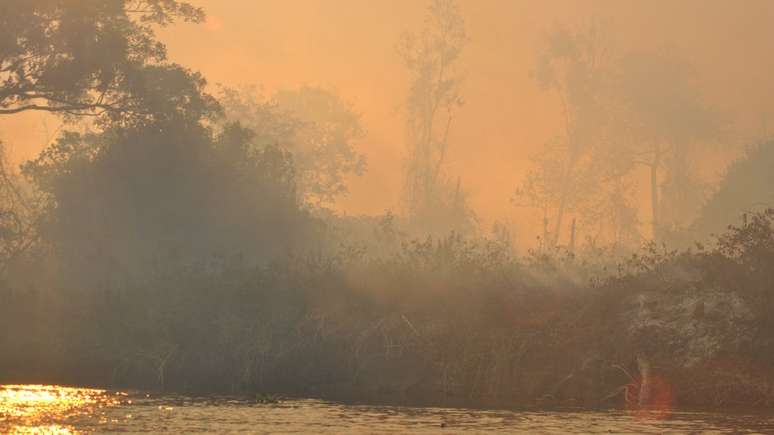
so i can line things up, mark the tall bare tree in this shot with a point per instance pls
(434, 97)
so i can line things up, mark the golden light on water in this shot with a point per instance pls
(47, 409)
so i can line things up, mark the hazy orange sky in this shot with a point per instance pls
(349, 46)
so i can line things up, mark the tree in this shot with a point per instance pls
(746, 188)
(572, 64)
(664, 117)
(19, 211)
(314, 125)
(612, 217)
(618, 112)
(433, 99)
(96, 58)
(128, 199)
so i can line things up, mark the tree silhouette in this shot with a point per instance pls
(573, 64)
(433, 98)
(316, 126)
(664, 117)
(95, 58)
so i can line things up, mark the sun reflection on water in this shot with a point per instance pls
(49, 409)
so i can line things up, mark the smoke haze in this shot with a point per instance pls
(349, 46)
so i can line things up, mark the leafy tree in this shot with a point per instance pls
(131, 198)
(96, 58)
(314, 125)
(430, 197)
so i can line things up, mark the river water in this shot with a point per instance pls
(56, 409)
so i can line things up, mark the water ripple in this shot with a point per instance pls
(64, 410)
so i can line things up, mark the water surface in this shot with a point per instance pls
(56, 409)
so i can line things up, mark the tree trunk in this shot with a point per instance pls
(558, 225)
(566, 180)
(654, 194)
(572, 237)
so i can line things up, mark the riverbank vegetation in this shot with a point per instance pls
(180, 240)
(441, 321)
